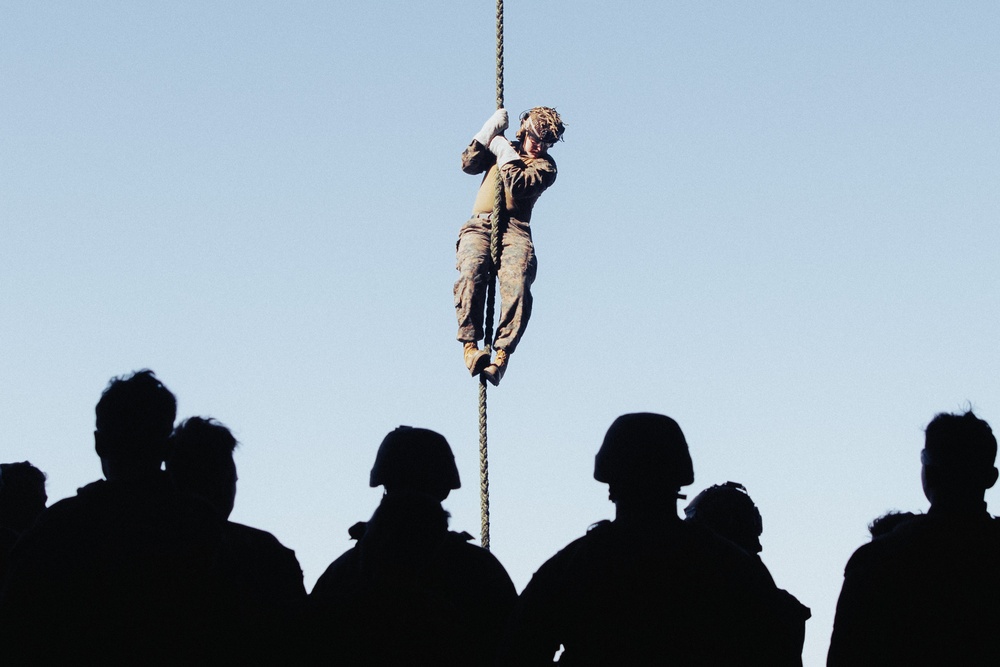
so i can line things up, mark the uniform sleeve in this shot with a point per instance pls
(477, 158)
(528, 180)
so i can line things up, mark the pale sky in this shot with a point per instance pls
(774, 221)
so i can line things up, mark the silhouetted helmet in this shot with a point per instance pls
(415, 459)
(729, 511)
(643, 449)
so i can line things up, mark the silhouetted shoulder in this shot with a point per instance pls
(268, 565)
(923, 594)
(931, 540)
(401, 595)
(621, 596)
(265, 585)
(263, 543)
(107, 571)
(339, 580)
(496, 591)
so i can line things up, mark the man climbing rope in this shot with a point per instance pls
(526, 170)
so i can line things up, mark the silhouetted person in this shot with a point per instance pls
(264, 575)
(729, 512)
(927, 592)
(411, 592)
(121, 573)
(22, 499)
(647, 588)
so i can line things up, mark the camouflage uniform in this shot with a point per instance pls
(524, 181)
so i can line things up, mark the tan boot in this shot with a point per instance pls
(494, 372)
(475, 359)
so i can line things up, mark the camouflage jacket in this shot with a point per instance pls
(524, 180)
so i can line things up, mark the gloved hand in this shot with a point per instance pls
(503, 150)
(495, 125)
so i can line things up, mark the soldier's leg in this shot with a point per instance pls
(515, 274)
(472, 262)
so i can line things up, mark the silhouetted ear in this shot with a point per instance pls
(991, 478)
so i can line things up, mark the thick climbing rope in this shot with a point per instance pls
(496, 232)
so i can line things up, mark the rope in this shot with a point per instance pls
(484, 472)
(496, 232)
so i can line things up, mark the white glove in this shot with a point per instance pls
(494, 126)
(503, 150)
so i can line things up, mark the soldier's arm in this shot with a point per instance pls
(528, 180)
(477, 158)
(523, 178)
(856, 624)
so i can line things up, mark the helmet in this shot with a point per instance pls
(544, 123)
(416, 459)
(730, 512)
(641, 449)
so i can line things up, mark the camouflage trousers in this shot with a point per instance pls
(515, 274)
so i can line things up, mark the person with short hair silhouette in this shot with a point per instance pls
(411, 592)
(729, 511)
(647, 588)
(22, 499)
(264, 576)
(926, 593)
(121, 573)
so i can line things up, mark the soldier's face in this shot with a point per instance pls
(532, 146)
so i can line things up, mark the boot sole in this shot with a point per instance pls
(479, 363)
(493, 376)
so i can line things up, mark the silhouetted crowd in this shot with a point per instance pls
(144, 567)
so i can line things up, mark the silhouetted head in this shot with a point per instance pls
(728, 510)
(415, 459)
(644, 455)
(201, 463)
(888, 522)
(22, 495)
(958, 457)
(134, 418)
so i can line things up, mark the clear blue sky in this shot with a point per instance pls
(774, 221)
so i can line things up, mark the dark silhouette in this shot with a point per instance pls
(411, 592)
(22, 499)
(888, 522)
(728, 510)
(926, 593)
(122, 572)
(647, 588)
(264, 577)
